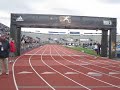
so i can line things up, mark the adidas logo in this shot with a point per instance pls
(19, 19)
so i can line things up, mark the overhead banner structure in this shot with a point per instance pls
(66, 22)
(63, 21)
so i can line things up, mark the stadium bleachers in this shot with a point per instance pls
(4, 29)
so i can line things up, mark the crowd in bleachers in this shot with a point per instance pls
(27, 42)
(4, 29)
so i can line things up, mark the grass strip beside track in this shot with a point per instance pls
(85, 50)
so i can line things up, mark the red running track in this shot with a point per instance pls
(54, 67)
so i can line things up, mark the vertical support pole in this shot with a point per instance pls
(15, 34)
(13, 31)
(112, 43)
(12, 27)
(104, 43)
(18, 40)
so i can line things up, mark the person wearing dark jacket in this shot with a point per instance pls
(4, 54)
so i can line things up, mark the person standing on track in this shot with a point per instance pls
(4, 54)
(12, 50)
(99, 48)
(96, 48)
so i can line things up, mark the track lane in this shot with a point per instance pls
(103, 79)
(69, 68)
(27, 80)
(53, 77)
(91, 57)
(93, 65)
(64, 77)
(40, 67)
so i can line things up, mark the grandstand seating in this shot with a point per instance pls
(4, 29)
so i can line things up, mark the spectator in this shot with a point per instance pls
(96, 48)
(4, 54)
(12, 50)
(99, 48)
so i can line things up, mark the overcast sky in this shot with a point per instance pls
(101, 8)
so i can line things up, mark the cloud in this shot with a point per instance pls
(111, 1)
(13, 5)
(69, 7)
(5, 18)
(98, 8)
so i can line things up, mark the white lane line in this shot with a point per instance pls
(50, 55)
(67, 73)
(84, 64)
(100, 66)
(63, 74)
(48, 73)
(13, 71)
(106, 59)
(27, 54)
(38, 73)
(90, 68)
(103, 63)
(90, 76)
(86, 74)
(65, 87)
(113, 73)
(112, 61)
(24, 72)
(97, 65)
(94, 74)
